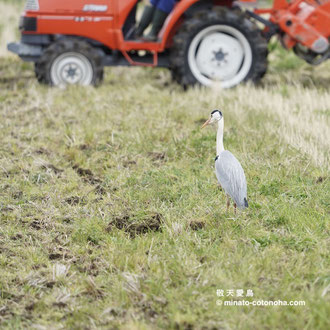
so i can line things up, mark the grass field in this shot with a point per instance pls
(111, 216)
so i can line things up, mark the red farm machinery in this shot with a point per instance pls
(201, 42)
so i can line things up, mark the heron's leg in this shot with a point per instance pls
(228, 203)
(235, 207)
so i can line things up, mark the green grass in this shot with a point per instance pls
(110, 212)
(111, 216)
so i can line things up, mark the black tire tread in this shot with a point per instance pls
(203, 18)
(43, 66)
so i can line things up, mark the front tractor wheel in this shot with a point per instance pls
(219, 46)
(70, 62)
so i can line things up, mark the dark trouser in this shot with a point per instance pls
(163, 5)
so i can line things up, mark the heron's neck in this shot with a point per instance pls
(220, 137)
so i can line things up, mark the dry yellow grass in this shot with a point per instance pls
(10, 12)
(303, 114)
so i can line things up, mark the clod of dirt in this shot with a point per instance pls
(4, 310)
(84, 146)
(91, 268)
(148, 310)
(17, 237)
(51, 167)
(184, 325)
(50, 284)
(73, 200)
(30, 307)
(119, 223)
(197, 225)
(129, 163)
(17, 194)
(320, 179)
(82, 171)
(54, 256)
(67, 220)
(60, 304)
(157, 156)
(42, 151)
(87, 175)
(115, 312)
(100, 190)
(127, 223)
(36, 224)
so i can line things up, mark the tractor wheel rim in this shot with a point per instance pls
(220, 54)
(71, 69)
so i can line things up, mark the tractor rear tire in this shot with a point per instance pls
(70, 62)
(222, 46)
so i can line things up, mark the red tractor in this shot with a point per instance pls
(201, 42)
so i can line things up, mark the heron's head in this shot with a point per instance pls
(216, 115)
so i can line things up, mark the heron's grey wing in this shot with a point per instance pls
(230, 175)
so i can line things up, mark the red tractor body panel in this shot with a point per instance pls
(303, 21)
(74, 18)
(103, 22)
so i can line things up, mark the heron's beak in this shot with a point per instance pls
(206, 123)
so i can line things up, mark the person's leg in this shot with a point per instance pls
(146, 18)
(163, 8)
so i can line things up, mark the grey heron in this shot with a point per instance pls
(228, 169)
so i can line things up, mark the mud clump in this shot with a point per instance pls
(51, 167)
(134, 226)
(320, 179)
(197, 225)
(84, 146)
(87, 175)
(100, 190)
(74, 200)
(129, 163)
(157, 156)
(42, 151)
(54, 256)
(37, 224)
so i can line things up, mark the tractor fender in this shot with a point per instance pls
(187, 8)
